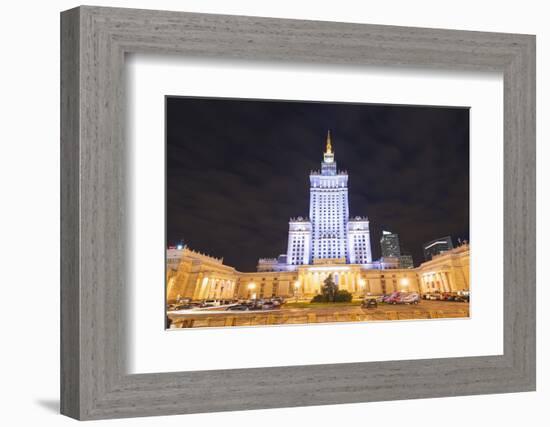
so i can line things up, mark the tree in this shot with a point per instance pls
(329, 288)
(343, 296)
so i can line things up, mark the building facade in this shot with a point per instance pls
(173, 256)
(359, 251)
(406, 261)
(200, 277)
(389, 245)
(299, 241)
(448, 271)
(391, 249)
(437, 246)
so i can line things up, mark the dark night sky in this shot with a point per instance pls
(237, 170)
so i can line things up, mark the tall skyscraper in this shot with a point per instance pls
(328, 208)
(329, 232)
(389, 244)
(437, 246)
(391, 248)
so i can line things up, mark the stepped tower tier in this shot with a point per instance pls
(329, 235)
(328, 209)
(299, 241)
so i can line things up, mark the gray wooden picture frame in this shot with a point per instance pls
(94, 381)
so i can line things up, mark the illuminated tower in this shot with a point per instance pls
(328, 234)
(328, 209)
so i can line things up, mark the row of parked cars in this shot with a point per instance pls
(276, 302)
(231, 305)
(393, 298)
(187, 304)
(462, 296)
(257, 304)
(400, 298)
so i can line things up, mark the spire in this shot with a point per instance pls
(328, 156)
(329, 144)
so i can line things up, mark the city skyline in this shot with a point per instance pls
(408, 167)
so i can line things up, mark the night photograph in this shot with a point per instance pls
(311, 212)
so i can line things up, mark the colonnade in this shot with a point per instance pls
(311, 282)
(308, 281)
(436, 281)
(213, 287)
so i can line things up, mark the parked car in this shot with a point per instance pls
(210, 303)
(393, 298)
(408, 298)
(183, 307)
(195, 304)
(269, 305)
(381, 298)
(238, 307)
(464, 296)
(369, 303)
(432, 296)
(278, 300)
(254, 304)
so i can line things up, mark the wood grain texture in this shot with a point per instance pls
(70, 292)
(94, 269)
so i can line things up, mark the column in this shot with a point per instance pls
(198, 285)
(441, 282)
(203, 288)
(445, 277)
(345, 281)
(315, 281)
(318, 280)
(303, 283)
(209, 287)
(223, 285)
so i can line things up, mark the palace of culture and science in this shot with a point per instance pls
(329, 234)
(328, 242)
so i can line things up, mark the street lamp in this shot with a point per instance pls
(251, 287)
(296, 289)
(404, 282)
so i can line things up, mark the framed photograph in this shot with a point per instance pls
(345, 210)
